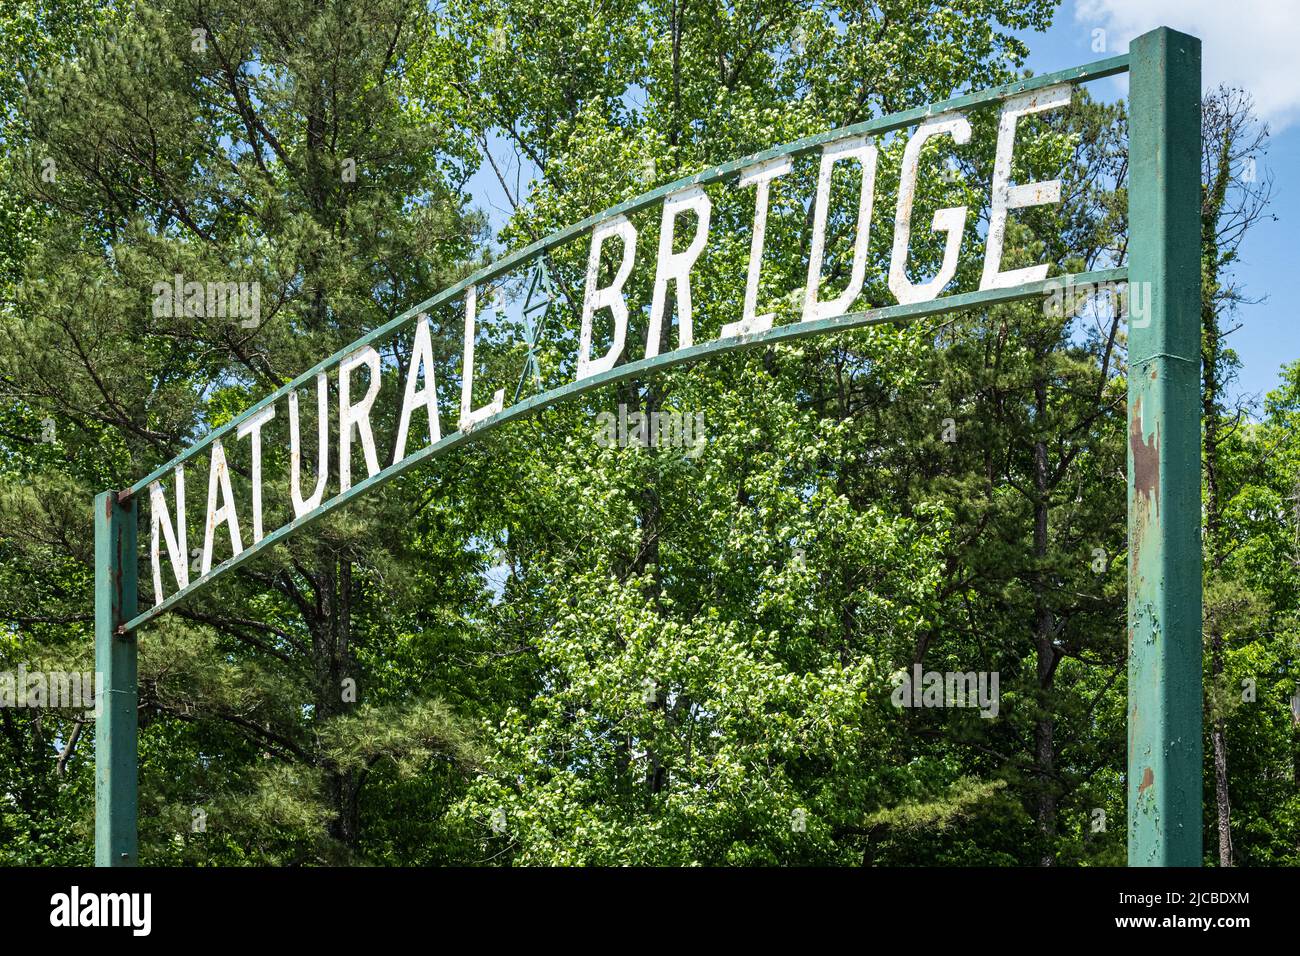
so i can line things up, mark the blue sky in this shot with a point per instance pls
(1253, 44)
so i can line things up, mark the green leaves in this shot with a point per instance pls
(544, 649)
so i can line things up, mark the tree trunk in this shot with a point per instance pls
(1211, 359)
(332, 659)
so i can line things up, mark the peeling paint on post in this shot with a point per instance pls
(115, 661)
(1164, 457)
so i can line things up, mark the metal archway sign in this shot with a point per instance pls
(1164, 594)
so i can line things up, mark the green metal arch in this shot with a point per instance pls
(1164, 720)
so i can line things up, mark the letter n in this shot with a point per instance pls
(174, 535)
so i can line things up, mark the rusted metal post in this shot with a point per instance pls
(1164, 455)
(115, 664)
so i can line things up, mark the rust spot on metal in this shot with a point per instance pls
(1146, 458)
(1148, 778)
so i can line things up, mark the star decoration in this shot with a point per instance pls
(537, 302)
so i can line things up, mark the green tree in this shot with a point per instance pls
(275, 144)
(1235, 198)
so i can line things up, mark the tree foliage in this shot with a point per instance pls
(543, 649)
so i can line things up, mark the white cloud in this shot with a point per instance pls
(1253, 44)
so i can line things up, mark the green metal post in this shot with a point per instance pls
(115, 664)
(1164, 455)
